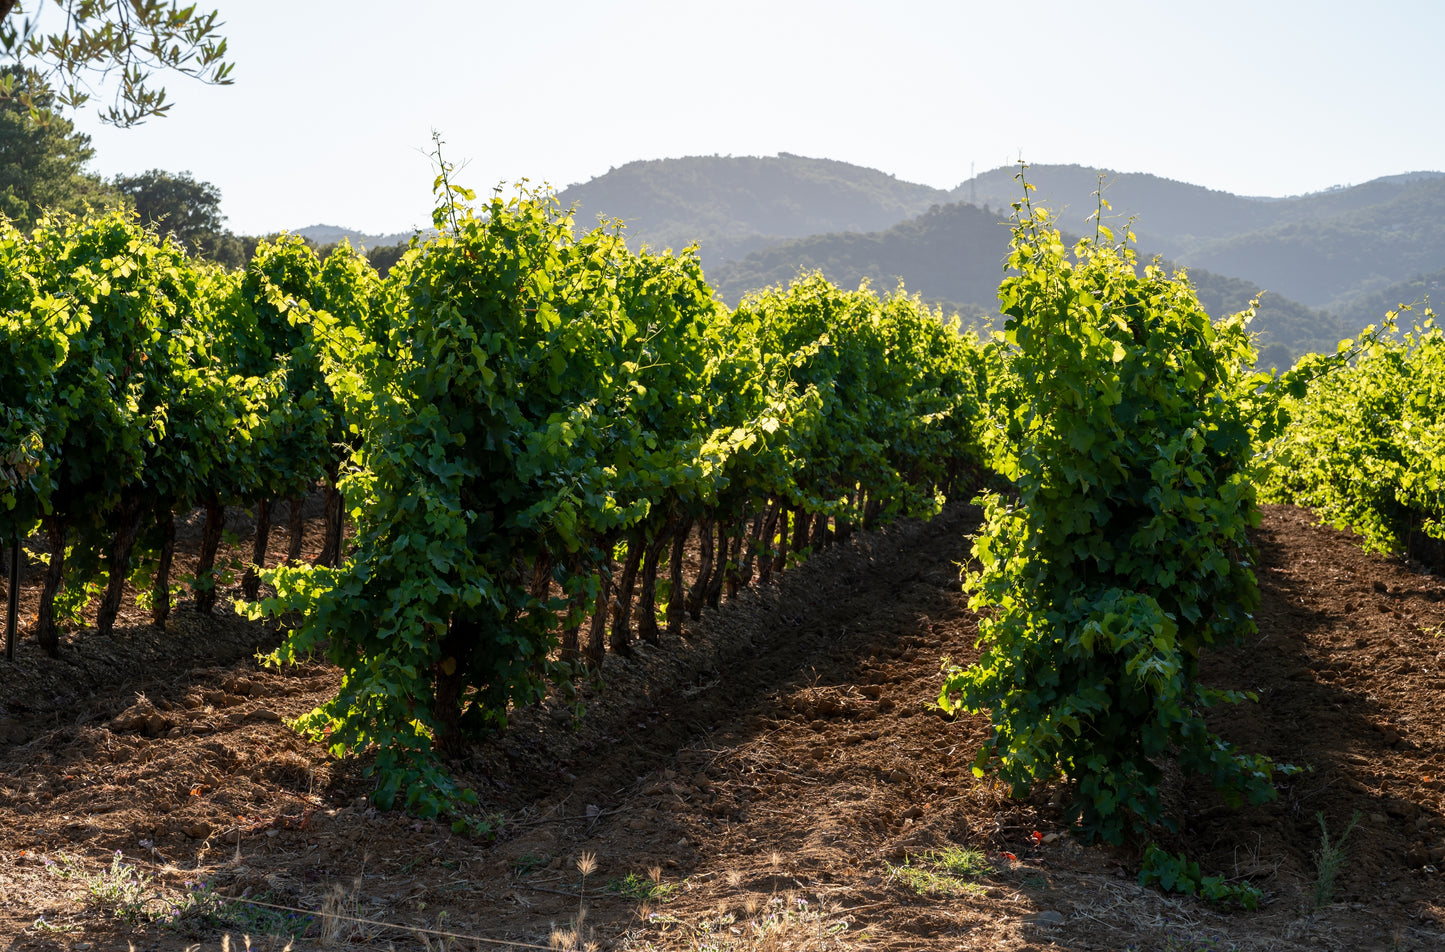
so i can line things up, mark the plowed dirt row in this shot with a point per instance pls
(777, 780)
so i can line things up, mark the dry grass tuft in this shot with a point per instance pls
(579, 937)
(340, 916)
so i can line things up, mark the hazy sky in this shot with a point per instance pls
(333, 106)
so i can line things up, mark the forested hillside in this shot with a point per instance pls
(1329, 260)
(1418, 289)
(1327, 263)
(1169, 216)
(1280, 321)
(954, 255)
(1327, 249)
(333, 234)
(734, 205)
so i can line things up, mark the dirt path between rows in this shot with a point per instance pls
(777, 780)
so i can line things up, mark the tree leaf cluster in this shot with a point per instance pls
(43, 163)
(125, 42)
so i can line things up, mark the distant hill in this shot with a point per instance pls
(1176, 215)
(734, 205)
(1170, 216)
(1371, 307)
(954, 254)
(331, 234)
(1330, 261)
(1323, 249)
(1278, 319)
(1342, 252)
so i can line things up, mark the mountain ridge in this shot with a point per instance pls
(1325, 256)
(954, 255)
(732, 205)
(332, 234)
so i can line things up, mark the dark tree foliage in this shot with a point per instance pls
(175, 204)
(125, 41)
(189, 210)
(383, 257)
(42, 163)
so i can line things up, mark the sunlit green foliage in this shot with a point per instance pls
(531, 404)
(521, 422)
(1124, 555)
(1366, 447)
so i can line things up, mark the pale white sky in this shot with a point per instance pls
(330, 117)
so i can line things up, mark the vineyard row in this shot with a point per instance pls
(508, 410)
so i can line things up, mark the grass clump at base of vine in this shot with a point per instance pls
(946, 872)
(578, 936)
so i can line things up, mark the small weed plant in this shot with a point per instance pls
(204, 908)
(1330, 860)
(130, 894)
(576, 938)
(784, 922)
(1173, 872)
(649, 888)
(120, 890)
(945, 872)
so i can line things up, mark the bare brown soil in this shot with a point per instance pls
(776, 780)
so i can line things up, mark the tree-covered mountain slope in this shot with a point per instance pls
(954, 254)
(731, 205)
(1330, 261)
(1324, 249)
